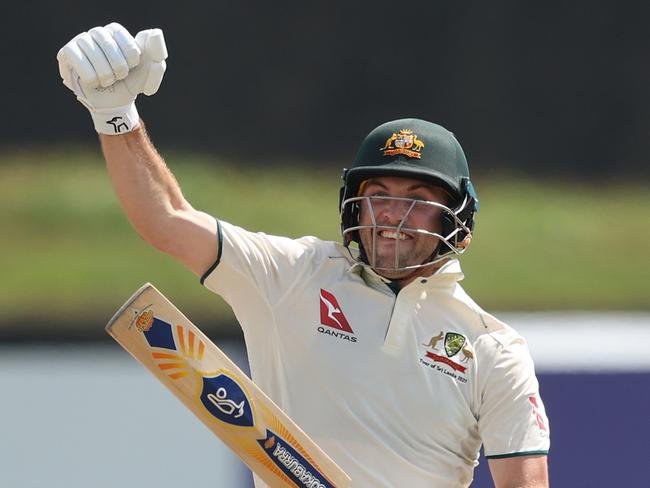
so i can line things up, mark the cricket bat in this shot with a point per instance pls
(201, 376)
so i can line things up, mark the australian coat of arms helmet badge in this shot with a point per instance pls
(404, 142)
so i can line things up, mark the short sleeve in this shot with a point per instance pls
(256, 265)
(512, 419)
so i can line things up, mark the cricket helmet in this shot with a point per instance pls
(418, 149)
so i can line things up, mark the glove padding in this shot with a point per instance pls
(107, 68)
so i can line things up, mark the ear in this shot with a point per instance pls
(465, 242)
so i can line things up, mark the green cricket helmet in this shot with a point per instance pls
(418, 149)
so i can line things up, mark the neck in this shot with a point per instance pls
(424, 271)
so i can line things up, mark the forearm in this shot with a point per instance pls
(143, 183)
(520, 472)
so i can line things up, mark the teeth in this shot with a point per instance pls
(392, 235)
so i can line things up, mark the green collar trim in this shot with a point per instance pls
(395, 288)
(517, 454)
(219, 250)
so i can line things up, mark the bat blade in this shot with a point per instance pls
(227, 401)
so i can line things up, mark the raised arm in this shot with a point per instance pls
(154, 203)
(107, 68)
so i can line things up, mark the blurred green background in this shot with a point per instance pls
(261, 106)
(70, 258)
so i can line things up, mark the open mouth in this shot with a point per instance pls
(389, 234)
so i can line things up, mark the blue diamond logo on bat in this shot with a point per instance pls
(226, 400)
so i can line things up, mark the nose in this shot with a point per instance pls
(390, 211)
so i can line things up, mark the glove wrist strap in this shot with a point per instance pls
(114, 121)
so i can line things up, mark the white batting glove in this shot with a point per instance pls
(107, 69)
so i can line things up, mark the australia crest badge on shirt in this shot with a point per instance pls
(448, 353)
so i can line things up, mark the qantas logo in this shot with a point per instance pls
(330, 312)
(332, 316)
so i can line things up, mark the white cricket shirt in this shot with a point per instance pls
(400, 390)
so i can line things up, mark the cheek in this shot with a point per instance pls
(428, 219)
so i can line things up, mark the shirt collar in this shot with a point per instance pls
(447, 274)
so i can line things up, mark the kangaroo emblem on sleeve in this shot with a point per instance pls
(434, 340)
(467, 353)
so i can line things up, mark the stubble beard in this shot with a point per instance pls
(412, 253)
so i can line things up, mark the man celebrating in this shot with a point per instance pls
(371, 345)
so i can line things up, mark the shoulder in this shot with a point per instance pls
(322, 249)
(478, 324)
(269, 264)
(490, 335)
(236, 236)
(239, 240)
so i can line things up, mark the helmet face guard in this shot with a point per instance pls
(451, 226)
(416, 149)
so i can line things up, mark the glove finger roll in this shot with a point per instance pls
(71, 56)
(126, 43)
(152, 41)
(97, 58)
(104, 39)
(154, 78)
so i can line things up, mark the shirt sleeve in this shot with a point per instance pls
(512, 419)
(253, 266)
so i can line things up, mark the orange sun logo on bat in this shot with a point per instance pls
(176, 363)
(178, 352)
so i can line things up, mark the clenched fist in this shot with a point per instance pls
(107, 68)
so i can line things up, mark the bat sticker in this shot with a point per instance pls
(226, 401)
(292, 463)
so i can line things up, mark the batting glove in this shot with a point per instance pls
(107, 69)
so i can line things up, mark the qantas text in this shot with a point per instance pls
(334, 333)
